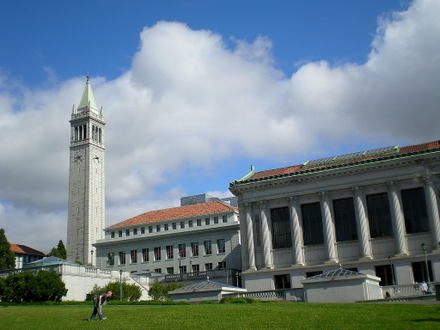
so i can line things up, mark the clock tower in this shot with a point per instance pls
(86, 210)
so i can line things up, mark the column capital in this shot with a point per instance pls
(292, 200)
(263, 204)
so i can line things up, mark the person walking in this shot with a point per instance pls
(98, 301)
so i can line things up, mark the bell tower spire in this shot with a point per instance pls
(86, 209)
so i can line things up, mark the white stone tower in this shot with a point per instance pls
(86, 179)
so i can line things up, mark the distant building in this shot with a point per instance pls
(375, 212)
(25, 254)
(189, 239)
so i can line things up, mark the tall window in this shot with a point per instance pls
(182, 269)
(282, 281)
(112, 234)
(174, 225)
(157, 228)
(199, 222)
(420, 273)
(215, 219)
(165, 227)
(135, 231)
(120, 233)
(170, 270)
(182, 224)
(207, 221)
(170, 254)
(142, 230)
(145, 255)
(414, 209)
(122, 258)
(345, 219)
(208, 247)
(190, 223)
(386, 273)
(379, 216)
(110, 259)
(225, 218)
(127, 232)
(281, 237)
(195, 249)
(312, 223)
(182, 250)
(150, 229)
(133, 256)
(195, 268)
(220, 246)
(257, 230)
(157, 254)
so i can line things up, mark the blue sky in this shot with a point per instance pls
(196, 91)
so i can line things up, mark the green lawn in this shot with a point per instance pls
(226, 316)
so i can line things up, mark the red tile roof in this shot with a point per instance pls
(300, 168)
(180, 212)
(23, 249)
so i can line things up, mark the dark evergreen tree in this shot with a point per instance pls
(7, 257)
(59, 251)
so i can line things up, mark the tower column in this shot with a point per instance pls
(329, 229)
(398, 221)
(363, 227)
(267, 239)
(296, 232)
(433, 211)
(250, 237)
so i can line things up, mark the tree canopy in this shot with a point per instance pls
(7, 257)
(59, 251)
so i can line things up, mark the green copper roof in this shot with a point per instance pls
(87, 96)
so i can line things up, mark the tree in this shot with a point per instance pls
(59, 251)
(29, 287)
(7, 257)
(160, 291)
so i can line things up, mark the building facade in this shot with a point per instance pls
(86, 209)
(186, 239)
(25, 254)
(375, 212)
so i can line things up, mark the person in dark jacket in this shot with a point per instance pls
(98, 301)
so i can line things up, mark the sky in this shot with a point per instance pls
(194, 92)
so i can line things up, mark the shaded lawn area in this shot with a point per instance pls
(226, 316)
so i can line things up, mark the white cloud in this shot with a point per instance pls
(191, 101)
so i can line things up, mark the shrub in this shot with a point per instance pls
(130, 292)
(240, 300)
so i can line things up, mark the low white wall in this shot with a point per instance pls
(80, 280)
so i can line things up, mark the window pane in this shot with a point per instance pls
(312, 223)
(386, 273)
(280, 228)
(345, 220)
(414, 209)
(379, 216)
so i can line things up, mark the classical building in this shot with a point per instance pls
(188, 239)
(25, 254)
(375, 212)
(86, 207)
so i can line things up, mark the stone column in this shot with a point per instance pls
(434, 218)
(243, 230)
(363, 227)
(398, 221)
(266, 236)
(250, 238)
(297, 232)
(329, 230)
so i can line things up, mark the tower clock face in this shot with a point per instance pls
(78, 157)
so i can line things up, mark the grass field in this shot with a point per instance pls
(226, 316)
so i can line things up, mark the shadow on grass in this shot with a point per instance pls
(431, 319)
